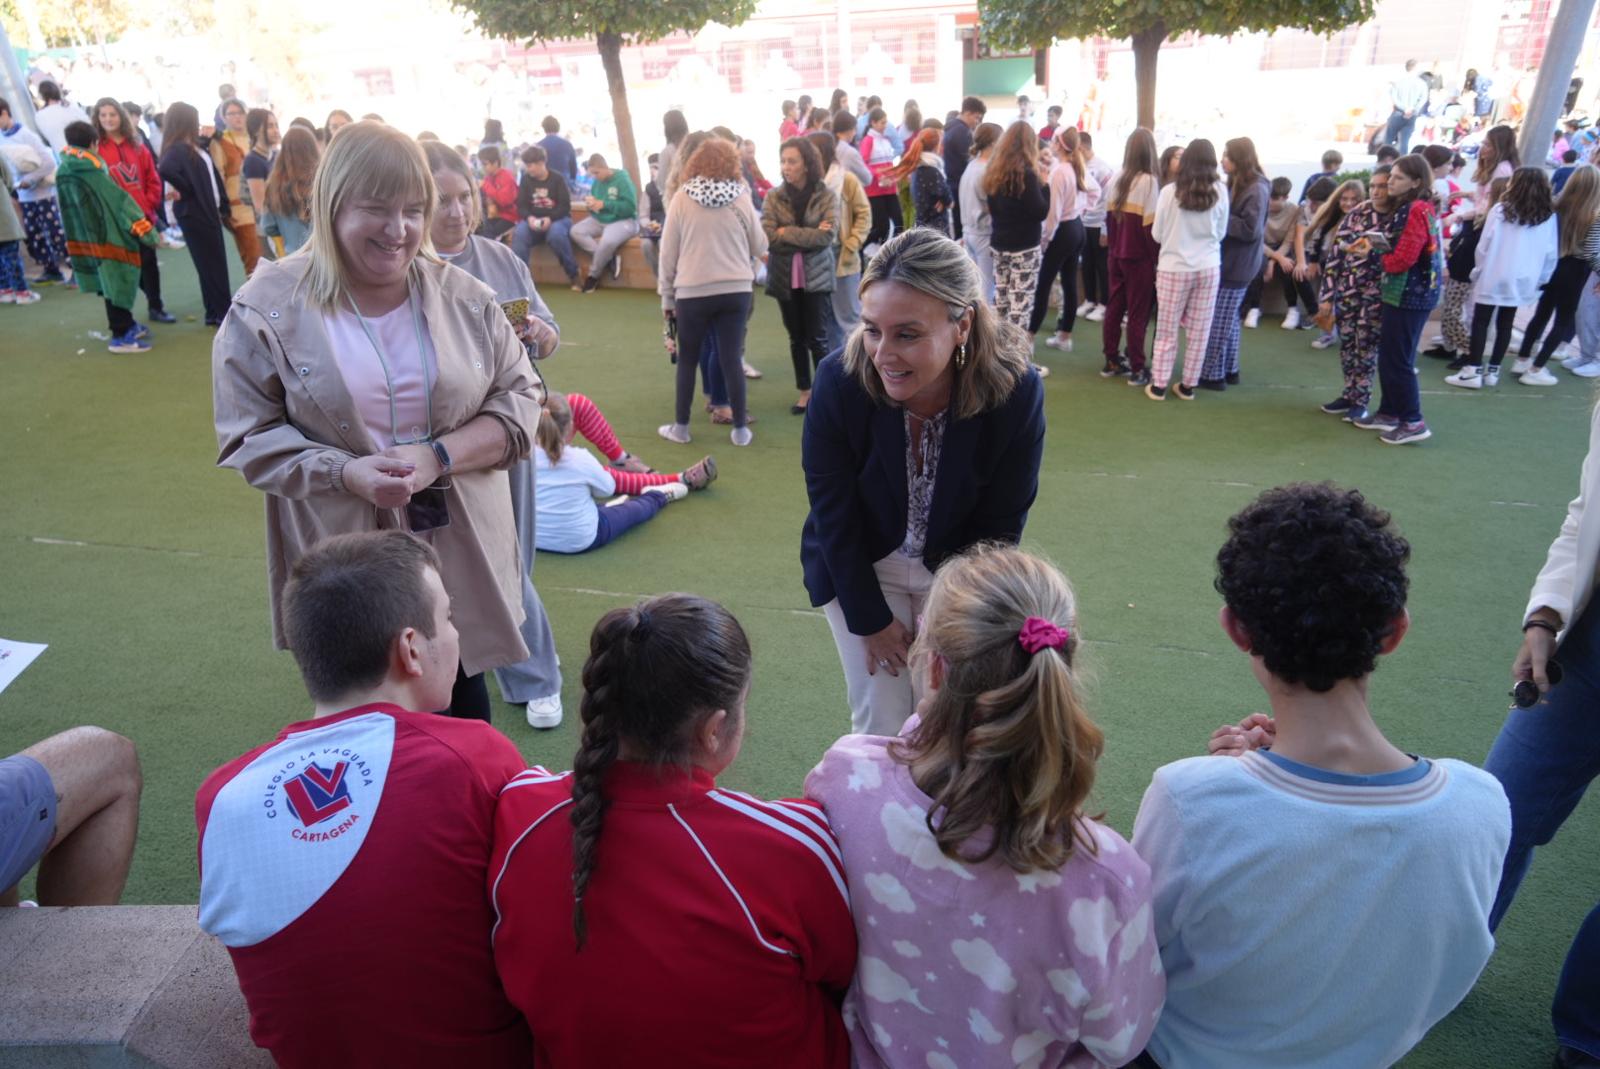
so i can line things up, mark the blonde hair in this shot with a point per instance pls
(555, 423)
(997, 352)
(1005, 748)
(442, 157)
(1578, 208)
(368, 160)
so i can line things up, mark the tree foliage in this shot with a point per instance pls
(1037, 23)
(634, 21)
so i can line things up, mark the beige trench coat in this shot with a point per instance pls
(286, 422)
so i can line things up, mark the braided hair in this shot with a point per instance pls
(655, 670)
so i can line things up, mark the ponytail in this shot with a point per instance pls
(1007, 740)
(911, 159)
(555, 420)
(1067, 142)
(654, 671)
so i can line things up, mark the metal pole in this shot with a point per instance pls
(18, 94)
(1555, 75)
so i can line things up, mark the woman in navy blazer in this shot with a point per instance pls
(923, 438)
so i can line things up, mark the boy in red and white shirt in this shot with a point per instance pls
(697, 926)
(343, 864)
(499, 194)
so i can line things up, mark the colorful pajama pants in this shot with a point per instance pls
(12, 279)
(1016, 276)
(46, 243)
(1453, 316)
(1357, 319)
(1186, 299)
(1222, 348)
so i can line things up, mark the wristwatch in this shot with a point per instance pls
(443, 455)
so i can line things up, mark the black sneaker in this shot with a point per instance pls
(1337, 406)
(1140, 378)
(1109, 371)
(1354, 413)
(1440, 352)
(1155, 393)
(1213, 384)
(1459, 362)
(161, 315)
(1232, 378)
(590, 284)
(1183, 393)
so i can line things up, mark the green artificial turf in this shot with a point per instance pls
(141, 565)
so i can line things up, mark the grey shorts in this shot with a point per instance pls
(27, 816)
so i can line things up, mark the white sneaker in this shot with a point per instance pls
(1085, 308)
(1491, 376)
(674, 432)
(1097, 314)
(1291, 318)
(1538, 377)
(1589, 369)
(1573, 360)
(1063, 342)
(670, 491)
(545, 713)
(1467, 378)
(1252, 318)
(1522, 365)
(1326, 340)
(742, 436)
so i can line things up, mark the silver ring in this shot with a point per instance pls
(883, 662)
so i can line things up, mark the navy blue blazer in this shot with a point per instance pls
(854, 455)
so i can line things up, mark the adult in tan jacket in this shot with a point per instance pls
(363, 384)
(229, 147)
(855, 222)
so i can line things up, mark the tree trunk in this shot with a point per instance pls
(1146, 46)
(611, 56)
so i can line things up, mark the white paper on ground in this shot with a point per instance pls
(14, 657)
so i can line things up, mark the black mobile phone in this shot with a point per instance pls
(428, 509)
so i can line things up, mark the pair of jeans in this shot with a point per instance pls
(846, 310)
(1545, 757)
(1060, 258)
(617, 520)
(805, 317)
(1589, 318)
(1398, 132)
(539, 676)
(559, 237)
(1295, 291)
(982, 255)
(721, 316)
(1399, 331)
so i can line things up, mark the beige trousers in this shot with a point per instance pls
(880, 702)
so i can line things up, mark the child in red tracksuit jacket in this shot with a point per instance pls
(499, 194)
(645, 916)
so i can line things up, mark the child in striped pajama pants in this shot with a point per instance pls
(1187, 299)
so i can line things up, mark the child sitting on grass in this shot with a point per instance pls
(1322, 900)
(998, 923)
(567, 479)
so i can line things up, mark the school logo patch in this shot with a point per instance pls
(318, 794)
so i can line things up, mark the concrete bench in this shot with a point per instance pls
(119, 986)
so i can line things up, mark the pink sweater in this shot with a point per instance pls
(968, 965)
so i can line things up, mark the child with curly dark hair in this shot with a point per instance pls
(644, 916)
(1321, 896)
(1516, 255)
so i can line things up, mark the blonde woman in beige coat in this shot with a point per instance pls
(363, 384)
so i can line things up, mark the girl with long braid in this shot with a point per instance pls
(706, 927)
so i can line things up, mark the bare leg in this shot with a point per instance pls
(97, 781)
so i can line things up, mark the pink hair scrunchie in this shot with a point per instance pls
(1038, 634)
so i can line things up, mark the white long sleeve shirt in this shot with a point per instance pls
(1566, 582)
(1190, 241)
(1512, 260)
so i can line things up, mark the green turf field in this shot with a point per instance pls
(141, 565)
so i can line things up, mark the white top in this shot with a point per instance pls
(54, 120)
(1566, 581)
(1312, 918)
(1067, 198)
(39, 183)
(1409, 92)
(363, 375)
(564, 498)
(1512, 261)
(1190, 241)
(1104, 175)
(975, 218)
